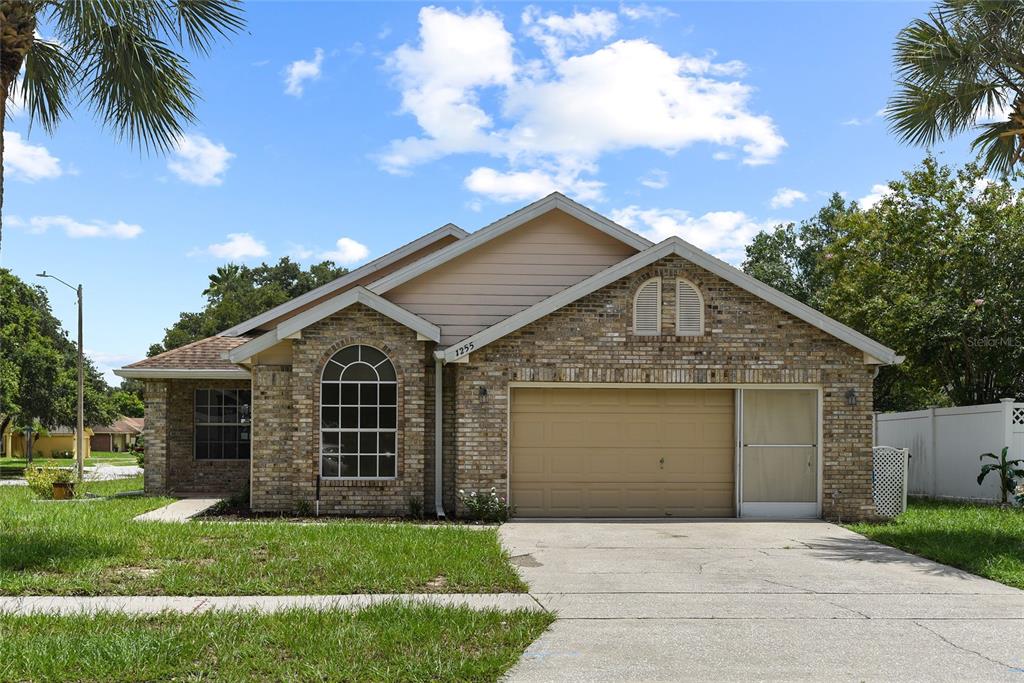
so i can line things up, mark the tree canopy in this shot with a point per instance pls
(236, 293)
(933, 270)
(39, 364)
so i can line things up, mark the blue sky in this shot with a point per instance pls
(345, 130)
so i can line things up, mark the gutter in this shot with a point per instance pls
(438, 436)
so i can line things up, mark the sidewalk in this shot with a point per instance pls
(152, 604)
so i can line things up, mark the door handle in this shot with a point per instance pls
(661, 462)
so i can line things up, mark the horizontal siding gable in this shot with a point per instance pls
(509, 274)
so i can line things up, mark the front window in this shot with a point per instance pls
(222, 424)
(358, 415)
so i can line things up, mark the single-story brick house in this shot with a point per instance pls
(573, 365)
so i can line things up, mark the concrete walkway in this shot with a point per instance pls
(179, 511)
(261, 603)
(736, 600)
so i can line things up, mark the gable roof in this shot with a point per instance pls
(448, 230)
(555, 200)
(122, 425)
(201, 359)
(667, 247)
(359, 295)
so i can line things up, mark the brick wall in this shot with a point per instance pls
(747, 340)
(357, 324)
(275, 460)
(169, 437)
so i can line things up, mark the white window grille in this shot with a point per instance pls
(689, 309)
(647, 308)
(889, 480)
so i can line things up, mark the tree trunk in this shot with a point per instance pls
(17, 32)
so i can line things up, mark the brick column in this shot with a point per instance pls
(155, 438)
(275, 462)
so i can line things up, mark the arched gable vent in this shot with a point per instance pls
(647, 308)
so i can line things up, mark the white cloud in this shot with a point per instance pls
(518, 186)
(346, 251)
(557, 34)
(239, 246)
(786, 197)
(300, 71)
(656, 179)
(38, 225)
(645, 11)
(300, 252)
(878, 192)
(724, 234)
(199, 161)
(106, 362)
(559, 118)
(23, 161)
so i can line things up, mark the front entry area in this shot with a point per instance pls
(622, 452)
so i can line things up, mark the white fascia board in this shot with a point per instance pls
(182, 373)
(449, 230)
(672, 245)
(555, 200)
(367, 298)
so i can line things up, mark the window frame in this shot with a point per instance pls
(636, 297)
(378, 430)
(196, 424)
(701, 306)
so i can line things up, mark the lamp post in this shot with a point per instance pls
(80, 429)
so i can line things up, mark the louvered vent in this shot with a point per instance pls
(647, 308)
(689, 310)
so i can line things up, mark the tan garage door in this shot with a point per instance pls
(622, 452)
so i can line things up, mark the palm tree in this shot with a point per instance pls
(121, 57)
(962, 68)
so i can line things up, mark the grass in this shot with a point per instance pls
(13, 468)
(983, 539)
(93, 548)
(390, 642)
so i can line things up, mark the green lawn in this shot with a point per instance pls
(12, 468)
(392, 642)
(93, 548)
(982, 539)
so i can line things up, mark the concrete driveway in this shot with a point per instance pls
(737, 600)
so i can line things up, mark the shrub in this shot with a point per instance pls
(486, 507)
(140, 458)
(41, 479)
(415, 507)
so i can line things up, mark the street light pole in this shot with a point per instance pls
(80, 428)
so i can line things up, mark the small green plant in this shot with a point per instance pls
(1009, 471)
(416, 507)
(140, 458)
(303, 508)
(41, 479)
(486, 507)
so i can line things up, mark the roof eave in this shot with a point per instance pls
(182, 373)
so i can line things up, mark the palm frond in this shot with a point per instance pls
(140, 87)
(201, 21)
(1001, 146)
(51, 76)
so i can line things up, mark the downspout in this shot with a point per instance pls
(438, 436)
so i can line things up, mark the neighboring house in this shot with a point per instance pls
(567, 362)
(119, 436)
(59, 442)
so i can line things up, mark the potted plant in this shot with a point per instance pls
(63, 485)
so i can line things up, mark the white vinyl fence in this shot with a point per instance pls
(945, 443)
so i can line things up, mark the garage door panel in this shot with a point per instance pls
(622, 452)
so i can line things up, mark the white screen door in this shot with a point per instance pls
(779, 453)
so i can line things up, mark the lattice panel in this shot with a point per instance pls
(1018, 417)
(889, 480)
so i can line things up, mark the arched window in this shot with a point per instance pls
(689, 309)
(647, 307)
(358, 415)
